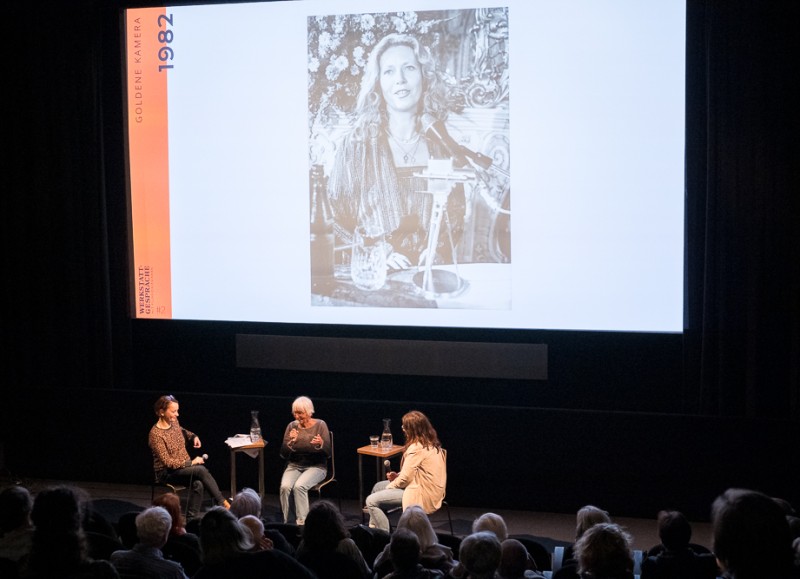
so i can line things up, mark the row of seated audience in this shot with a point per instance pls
(56, 535)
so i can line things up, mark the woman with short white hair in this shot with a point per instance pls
(306, 447)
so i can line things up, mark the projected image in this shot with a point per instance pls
(409, 151)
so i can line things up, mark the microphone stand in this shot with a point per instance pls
(436, 283)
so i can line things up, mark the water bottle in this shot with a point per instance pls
(322, 236)
(386, 435)
(255, 427)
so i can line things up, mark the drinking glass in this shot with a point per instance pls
(368, 266)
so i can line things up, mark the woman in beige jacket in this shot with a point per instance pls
(422, 477)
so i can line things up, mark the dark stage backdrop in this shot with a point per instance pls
(633, 422)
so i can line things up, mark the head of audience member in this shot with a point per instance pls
(514, 560)
(674, 531)
(256, 527)
(324, 527)
(794, 526)
(416, 520)
(172, 504)
(59, 543)
(604, 550)
(222, 536)
(58, 510)
(493, 523)
(246, 502)
(479, 554)
(785, 506)
(15, 509)
(587, 517)
(751, 535)
(153, 526)
(404, 550)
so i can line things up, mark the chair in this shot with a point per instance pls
(330, 478)
(101, 546)
(165, 487)
(290, 531)
(190, 558)
(9, 568)
(444, 506)
(126, 529)
(331, 565)
(451, 540)
(370, 542)
(539, 553)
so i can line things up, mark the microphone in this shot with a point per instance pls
(387, 464)
(435, 129)
(205, 457)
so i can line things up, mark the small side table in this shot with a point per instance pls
(259, 447)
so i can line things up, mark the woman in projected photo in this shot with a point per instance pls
(372, 182)
(422, 478)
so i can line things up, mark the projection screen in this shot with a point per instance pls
(535, 181)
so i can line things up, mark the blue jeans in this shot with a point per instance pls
(296, 481)
(382, 499)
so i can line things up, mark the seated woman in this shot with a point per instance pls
(479, 557)
(422, 478)
(493, 523)
(177, 533)
(227, 552)
(586, 517)
(181, 546)
(605, 551)
(59, 547)
(306, 447)
(432, 555)
(171, 460)
(247, 502)
(326, 547)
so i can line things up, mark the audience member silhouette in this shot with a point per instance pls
(516, 562)
(479, 556)
(604, 550)
(16, 529)
(146, 559)
(674, 558)
(227, 552)
(177, 533)
(751, 536)
(432, 554)
(59, 547)
(256, 527)
(586, 517)
(404, 553)
(493, 523)
(248, 502)
(326, 547)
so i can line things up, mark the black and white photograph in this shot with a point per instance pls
(409, 177)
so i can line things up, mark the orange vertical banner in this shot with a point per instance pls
(148, 63)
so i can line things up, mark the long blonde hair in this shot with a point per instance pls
(370, 109)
